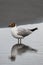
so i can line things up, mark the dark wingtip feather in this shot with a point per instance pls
(34, 29)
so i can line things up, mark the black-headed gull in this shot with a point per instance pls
(19, 33)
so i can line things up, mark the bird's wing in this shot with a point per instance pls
(23, 32)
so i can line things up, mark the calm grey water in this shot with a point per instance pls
(21, 12)
(35, 40)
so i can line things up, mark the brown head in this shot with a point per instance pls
(12, 24)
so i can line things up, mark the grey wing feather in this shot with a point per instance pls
(23, 32)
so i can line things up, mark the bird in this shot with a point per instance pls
(20, 32)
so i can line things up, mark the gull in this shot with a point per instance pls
(20, 32)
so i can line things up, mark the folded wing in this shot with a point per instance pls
(24, 32)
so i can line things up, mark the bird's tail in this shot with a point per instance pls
(34, 29)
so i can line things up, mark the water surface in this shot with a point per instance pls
(35, 41)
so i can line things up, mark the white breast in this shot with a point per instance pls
(14, 31)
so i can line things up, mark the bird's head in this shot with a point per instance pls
(12, 24)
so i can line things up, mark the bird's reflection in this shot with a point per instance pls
(19, 49)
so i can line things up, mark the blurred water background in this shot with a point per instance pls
(35, 41)
(29, 12)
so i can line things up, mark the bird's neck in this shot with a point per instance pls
(14, 29)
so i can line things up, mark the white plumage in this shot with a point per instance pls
(20, 32)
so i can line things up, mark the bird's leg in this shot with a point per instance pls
(18, 40)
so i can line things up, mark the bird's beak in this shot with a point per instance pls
(9, 26)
